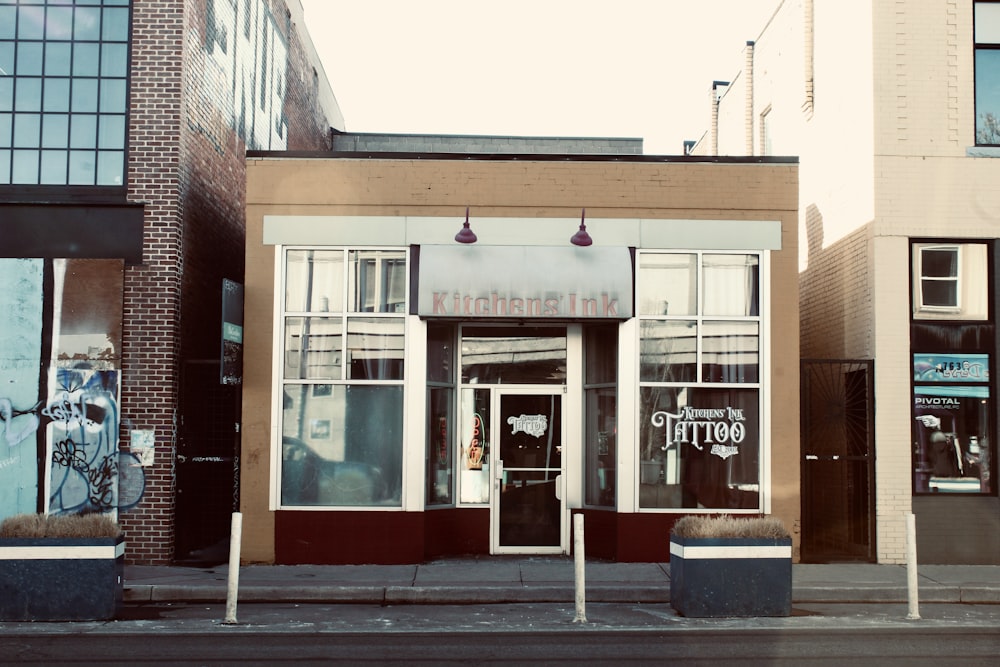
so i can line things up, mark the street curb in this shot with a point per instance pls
(399, 595)
(139, 593)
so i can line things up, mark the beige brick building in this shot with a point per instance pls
(891, 108)
(409, 396)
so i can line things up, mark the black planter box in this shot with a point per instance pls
(61, 579)
(719, 577)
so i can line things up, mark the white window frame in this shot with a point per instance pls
(762, 385)
(350, 310)
(972, 283)
(922, 279)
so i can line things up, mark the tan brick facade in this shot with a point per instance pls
(535, 189)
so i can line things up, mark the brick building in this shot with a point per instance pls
(413, 393)
(892, 109)
(123, 132)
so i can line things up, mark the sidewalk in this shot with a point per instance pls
(489, 580)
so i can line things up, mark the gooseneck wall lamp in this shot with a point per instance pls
(465, 234)
(582, 238)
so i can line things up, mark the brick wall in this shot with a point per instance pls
(152, 291)
(836, 295)
(187, 165)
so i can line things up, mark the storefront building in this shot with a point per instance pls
(437, 363)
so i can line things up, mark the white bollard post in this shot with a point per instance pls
(913, 590)
(232, 587)
(579, 562)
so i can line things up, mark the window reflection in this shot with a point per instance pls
(668, 351)
(54, 167)
(57, 59)
(601, 446)
(375, 348)
(341, 442)
(313, 347)
(513, 356)
(440, 426)
(314, 281)
(600, 343)
(731, 284)
(699, 448)
(379, 281)
(730, 352)
(668, 284)
(29, 95)
(342, 445)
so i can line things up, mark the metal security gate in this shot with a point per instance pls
(838, 460)
(208, 441)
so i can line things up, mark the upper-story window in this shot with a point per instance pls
(63, 92)
(950, 281)
(987, 37)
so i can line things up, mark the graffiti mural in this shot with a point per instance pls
(84, 437)
(20, 382)
(59, 413)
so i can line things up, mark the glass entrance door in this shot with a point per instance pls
(527, 505)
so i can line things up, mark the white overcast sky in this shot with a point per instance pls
(620, 68)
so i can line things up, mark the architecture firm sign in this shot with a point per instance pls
(525, 282)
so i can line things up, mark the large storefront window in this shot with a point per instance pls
(952, 340)
(342, 389)
(699, 372)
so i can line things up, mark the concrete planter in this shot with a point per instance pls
(61, 579)
(731, 576)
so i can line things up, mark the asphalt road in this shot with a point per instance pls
(522, 634)
(746, 647)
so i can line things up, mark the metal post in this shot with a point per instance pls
(232, 587)
(580, 578)
(911, 567)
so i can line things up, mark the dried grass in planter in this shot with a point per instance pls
(59, 525)
(726, 525)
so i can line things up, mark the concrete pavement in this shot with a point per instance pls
(495, 580)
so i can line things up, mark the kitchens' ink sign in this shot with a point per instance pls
(722, 430)
(524, 282)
